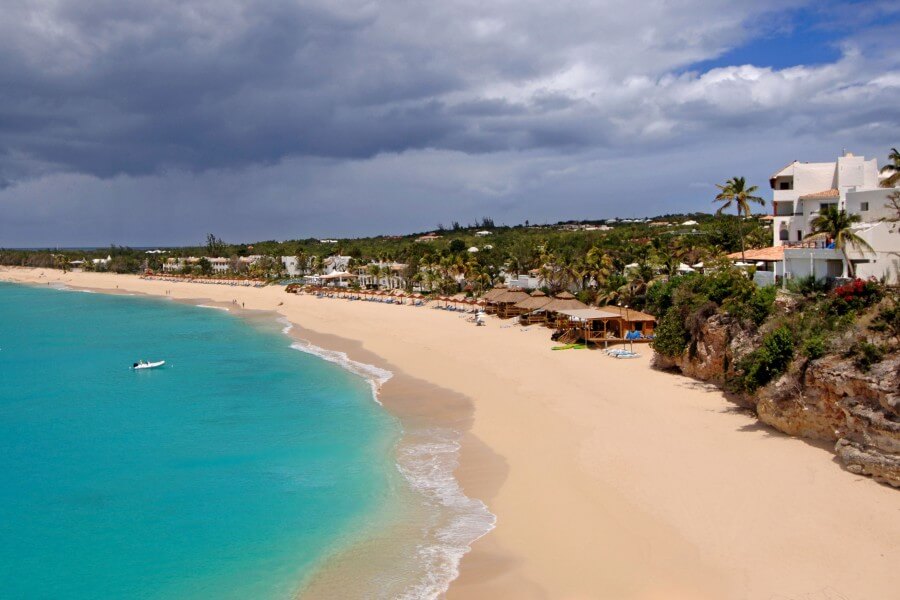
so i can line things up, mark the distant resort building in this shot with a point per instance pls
(220, 265)
(382, 275)
(429, 237)
(800, 192)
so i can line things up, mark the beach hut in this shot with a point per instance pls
(531, 308)
(562, 301)
(634, 320)
(506, 303)
(490, 307)
(590, 325)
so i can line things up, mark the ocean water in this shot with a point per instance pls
(233, 472)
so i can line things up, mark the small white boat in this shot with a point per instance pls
(141, 364)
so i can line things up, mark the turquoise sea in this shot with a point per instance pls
(230, 473)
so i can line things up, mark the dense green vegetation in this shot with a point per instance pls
(859, 320)
(565, 254)
(686, 302)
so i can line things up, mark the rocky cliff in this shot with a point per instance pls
(828, 399)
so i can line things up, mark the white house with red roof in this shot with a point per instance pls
(851, 183)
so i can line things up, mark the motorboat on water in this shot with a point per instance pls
(142, 364)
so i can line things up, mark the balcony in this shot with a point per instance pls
(809, 245)
(784, 195)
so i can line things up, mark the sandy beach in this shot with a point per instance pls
(608, 479)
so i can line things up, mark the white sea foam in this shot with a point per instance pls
(213, 307)
(287, 325)
(428, 461)
(376, 376)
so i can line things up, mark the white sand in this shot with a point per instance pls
(616, 481)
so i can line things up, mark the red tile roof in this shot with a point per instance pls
(765, 254)
(832, 193)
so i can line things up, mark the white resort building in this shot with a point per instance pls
(800, 192)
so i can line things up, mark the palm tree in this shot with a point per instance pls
(599, 265)
(735, 191)
(838, 225)
(892, 167)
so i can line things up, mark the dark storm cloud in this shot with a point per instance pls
(106, 87)
(286, 117)
(132, 88)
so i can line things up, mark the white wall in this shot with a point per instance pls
(810, 178)
(291, 265)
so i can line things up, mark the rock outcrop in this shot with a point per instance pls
(828, 399)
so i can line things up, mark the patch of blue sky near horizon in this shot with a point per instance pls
(808, 35)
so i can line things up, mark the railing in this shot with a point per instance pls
(810, 245)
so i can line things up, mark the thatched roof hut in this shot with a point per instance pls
(494, 292)
(538, 299)
(564, 301)
(510, 297)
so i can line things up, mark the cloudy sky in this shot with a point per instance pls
(155, 122)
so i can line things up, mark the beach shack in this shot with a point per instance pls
(507, 301)
(589, 325)
(607, 324)
(634, 320)
(561, 302)
(532, 306)
(490, 307)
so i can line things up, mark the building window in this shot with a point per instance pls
(785, 185)
(863, 206)
(783, 234)
(799, 236)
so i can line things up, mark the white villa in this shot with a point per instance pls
(390, 275)
(337, 264)
(219, 264)
(800, 191)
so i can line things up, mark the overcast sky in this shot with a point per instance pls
(155, 122)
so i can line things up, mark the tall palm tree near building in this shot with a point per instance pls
(892, 167)
(838, 225)
(302, 262)
(735, 191)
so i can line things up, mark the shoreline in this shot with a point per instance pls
(608, 479)
(449, 414)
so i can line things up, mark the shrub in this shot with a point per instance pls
(659, 296)
(671, 338)
(814, 347)
(808, 286)
(866, 354)
(887, 320)
(755, 308)
(768, 361)
(859, 294)
(587, 296)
